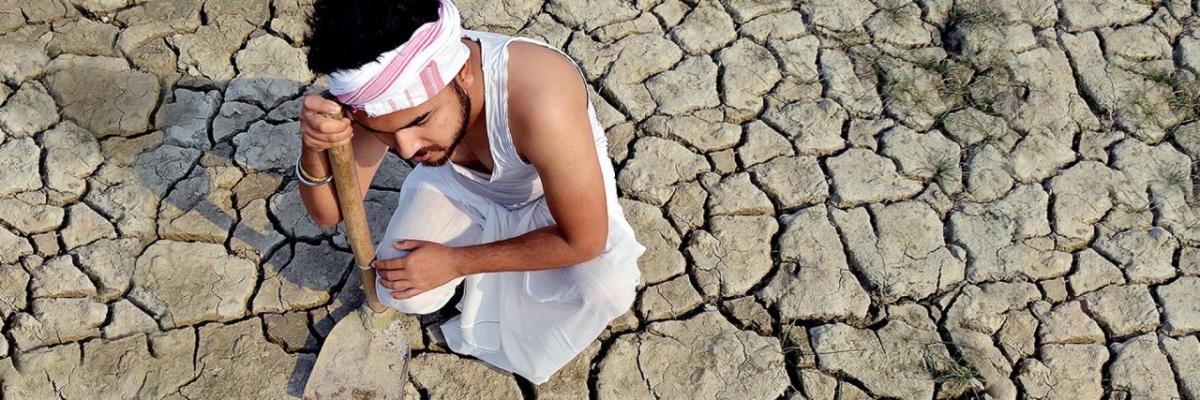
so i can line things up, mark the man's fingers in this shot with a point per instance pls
(336, 138)
(333, 126)
(322, 137)
(319, 104)
(407, 244)
(395, 284)
(318, 133)
(393, 274)
(401, 295)
(389, 264)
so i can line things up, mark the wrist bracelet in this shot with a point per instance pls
(307, 179)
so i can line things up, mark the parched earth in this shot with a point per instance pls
(841, 199)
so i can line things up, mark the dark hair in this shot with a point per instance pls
(347, 34)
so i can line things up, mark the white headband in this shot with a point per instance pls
(407, 75)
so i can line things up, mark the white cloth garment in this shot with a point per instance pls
(529, 323)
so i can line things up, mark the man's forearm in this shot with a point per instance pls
(320, 201)
(539, 249)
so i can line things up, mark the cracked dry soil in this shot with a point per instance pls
(841, 199)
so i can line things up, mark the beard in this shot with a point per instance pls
(464, 102)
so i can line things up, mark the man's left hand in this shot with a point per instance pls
(426, 266)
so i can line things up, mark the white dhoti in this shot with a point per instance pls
(529, 323)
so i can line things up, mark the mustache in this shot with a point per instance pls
(429, 149)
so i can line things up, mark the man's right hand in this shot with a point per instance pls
(322, 124)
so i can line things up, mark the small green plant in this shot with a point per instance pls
(1149, 206)
(993, 137)
(955, 79)
(1138, 103)
(1171, 176)
(1139, 106)
(1181, 97)
(943, 165)
(994, 86)
(898, 9)
(1173, 130)
(846, 39)
(899, 81)
(789, 346)
(1184, 96)
(939, 65)
(1194, 175)
(975, 13)
(787, 339)
(956, 373)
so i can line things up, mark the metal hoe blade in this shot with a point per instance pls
(364, 357)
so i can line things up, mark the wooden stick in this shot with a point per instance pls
(354, 218)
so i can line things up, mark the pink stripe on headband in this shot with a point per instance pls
(409, 74)
(379, 83)
(431, 78)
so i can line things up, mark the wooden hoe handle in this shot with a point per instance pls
(354, 216)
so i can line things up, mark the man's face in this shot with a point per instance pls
(427, 133)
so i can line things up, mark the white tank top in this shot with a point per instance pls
(513, 182)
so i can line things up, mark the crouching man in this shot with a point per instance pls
(512, 197)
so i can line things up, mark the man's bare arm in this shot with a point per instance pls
(321, 202)
(551, 128)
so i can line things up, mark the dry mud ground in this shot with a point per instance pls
(841, 199)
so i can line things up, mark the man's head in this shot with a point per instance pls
(428, 133)
(390, 61)
(346, 34)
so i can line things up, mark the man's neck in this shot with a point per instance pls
(476, 92)
(475, 144)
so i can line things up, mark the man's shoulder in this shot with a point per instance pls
(547, 95)
(536, 63)
(529, 47)
(541, 79)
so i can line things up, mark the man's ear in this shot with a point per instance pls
(465, 75)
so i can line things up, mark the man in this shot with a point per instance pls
(513, 196)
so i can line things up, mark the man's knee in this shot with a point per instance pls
(424, 303)
(414, 305)
(425, 212)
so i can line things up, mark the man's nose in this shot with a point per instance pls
(409, 146)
